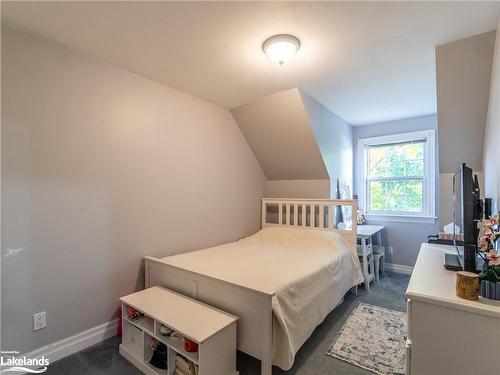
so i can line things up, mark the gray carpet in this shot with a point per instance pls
(311, 359)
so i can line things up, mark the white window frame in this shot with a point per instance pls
(429, 186)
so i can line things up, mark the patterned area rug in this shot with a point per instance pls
(372, 338)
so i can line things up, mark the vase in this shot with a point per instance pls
(490, 290)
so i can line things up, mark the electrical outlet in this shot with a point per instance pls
(39, 321)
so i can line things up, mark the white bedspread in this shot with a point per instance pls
(308, 270)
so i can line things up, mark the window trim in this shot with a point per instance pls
(429, 209)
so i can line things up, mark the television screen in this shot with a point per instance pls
(463, 218)
(457, 217)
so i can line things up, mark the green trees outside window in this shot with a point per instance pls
(396, 178)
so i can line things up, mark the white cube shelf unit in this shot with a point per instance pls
(212, 329)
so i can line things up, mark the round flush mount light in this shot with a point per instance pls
(280, 48)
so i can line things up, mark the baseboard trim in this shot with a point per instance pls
(75, 343)
(399, 268)
(95, 335)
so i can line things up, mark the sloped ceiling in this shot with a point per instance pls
(335, 140)
(463, 90)
(277, 129)
(365, 61)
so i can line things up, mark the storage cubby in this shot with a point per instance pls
(144, 323)
(177, 345)
(135, 347)
(213, 330)
(148, 353)
(132, 339)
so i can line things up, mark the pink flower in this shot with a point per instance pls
(495, 262)
(491, 254)
(483, 244)
(493, 258)
(492, 221)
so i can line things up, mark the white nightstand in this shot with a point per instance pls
(212, 329)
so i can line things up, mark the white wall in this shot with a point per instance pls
(491, 156)
(99, 168)
(335, 140)
(404, 237)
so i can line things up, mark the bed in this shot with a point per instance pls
(281, 281)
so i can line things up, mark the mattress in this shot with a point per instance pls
(307, 270)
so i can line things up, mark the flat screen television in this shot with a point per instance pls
(464, 213)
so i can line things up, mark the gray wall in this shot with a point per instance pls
(404, 237)
(335, 141)
(491, 159)
(298, 189)
(99, 168)
(463, 71)
(278, 131)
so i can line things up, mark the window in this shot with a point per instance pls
(398, 174)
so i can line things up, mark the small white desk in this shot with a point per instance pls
(365, 232)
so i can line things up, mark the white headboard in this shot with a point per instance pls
(312, 214)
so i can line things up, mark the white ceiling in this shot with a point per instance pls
(367, 62)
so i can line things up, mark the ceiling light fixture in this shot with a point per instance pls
(280, 48)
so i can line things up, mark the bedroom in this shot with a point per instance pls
(155, 129)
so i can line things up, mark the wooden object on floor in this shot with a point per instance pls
(379, 261)
(364, 238)
(467, 285)
(254, 307)
(212, 329)
(443, 328)
(365, 254)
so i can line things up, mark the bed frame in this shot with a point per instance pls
(253, 307)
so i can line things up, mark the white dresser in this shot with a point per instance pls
(448, 335)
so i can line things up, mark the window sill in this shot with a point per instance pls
(394, 218)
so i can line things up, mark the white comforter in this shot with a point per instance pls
(308, 270)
